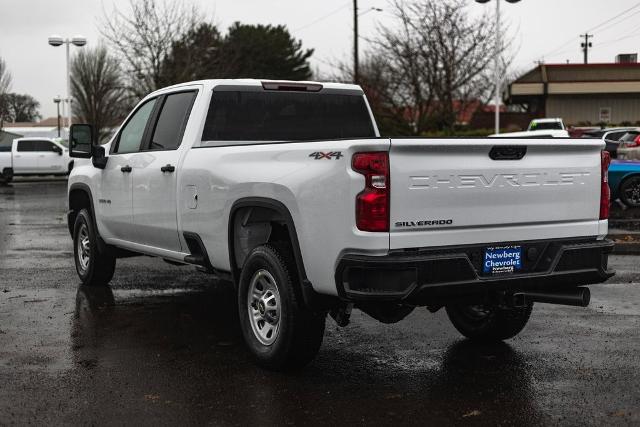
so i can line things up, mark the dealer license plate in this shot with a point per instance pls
(502, 259)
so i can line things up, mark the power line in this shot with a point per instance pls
(613, 24)
(628, 36)
(557, 50)
(611, 19)
(323, 17)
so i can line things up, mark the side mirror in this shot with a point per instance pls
(99, 159)
(57, 149)
(81, 137)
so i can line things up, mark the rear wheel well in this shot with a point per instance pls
(252, 226)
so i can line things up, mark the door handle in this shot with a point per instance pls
(168, 168)
(126, 169)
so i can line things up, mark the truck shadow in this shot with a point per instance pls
(184, 350)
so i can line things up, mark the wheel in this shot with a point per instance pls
(488, 323)
(278, 331)
(630, 191)
(6, 177)
(93, 267)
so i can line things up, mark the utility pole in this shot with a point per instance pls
(585, 46)
(57, 100)
(498, 76)
(355, 41)
(497, 52)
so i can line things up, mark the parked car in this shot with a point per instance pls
(34, 156)
(613, 138)
(624, 181)
(546, 124)
(599, 132)
(580, 131)
(629, 146)
(287, 190)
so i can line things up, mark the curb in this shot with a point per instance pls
(624, 247)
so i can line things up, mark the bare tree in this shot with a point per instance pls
(143, 36)
(20, 108)
(97, 89)
(430, 64)
(5, 85)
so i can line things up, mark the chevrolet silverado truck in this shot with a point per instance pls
(34, 156)
(287, 191)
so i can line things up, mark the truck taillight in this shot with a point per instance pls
(372, 203)
(605, 192)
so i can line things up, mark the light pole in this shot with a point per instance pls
(356, 73)
(498, 48)
(55, 41)
(57, 101)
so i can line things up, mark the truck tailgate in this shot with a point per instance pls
(456, 191)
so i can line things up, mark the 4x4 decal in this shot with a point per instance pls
(318, 155)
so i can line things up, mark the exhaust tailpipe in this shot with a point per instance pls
(578, 297)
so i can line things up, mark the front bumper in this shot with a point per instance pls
(429, 275)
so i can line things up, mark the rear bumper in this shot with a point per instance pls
(429, 275)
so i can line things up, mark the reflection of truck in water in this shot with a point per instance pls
(34, 156)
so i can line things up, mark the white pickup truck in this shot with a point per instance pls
(287, 190)
(34, 156)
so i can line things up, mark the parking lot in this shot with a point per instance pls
(162, 345)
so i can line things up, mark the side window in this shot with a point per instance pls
(26, 146)
(132, 133)
(615, 136)
(44, 146)
(172, 120)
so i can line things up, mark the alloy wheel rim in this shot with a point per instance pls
(632, 193)
(263, 305)
(83, 248)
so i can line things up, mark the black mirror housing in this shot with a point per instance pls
(99, 159)
(81, 141)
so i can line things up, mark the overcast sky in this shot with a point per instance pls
(541, 28)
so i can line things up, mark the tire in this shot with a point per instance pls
(630, 191)
(283, 339)
(5, 177)
(94, 268)
(488, 323)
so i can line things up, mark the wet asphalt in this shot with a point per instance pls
(161, 345)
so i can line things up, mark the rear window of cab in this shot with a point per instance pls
(285, 116)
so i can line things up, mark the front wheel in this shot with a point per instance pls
(488, 323)
(94, 268)
(278, 331)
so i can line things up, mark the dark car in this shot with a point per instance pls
(611, 137)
